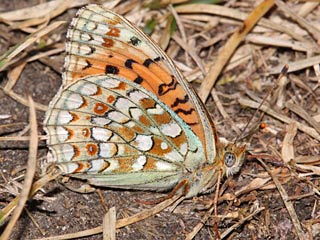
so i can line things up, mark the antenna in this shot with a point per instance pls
(283, 72)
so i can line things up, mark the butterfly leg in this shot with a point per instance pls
(183, 184)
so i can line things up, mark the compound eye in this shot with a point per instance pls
(229, 159)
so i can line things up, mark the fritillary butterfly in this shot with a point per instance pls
(126, 118)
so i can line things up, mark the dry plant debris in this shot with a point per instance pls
(274, 197)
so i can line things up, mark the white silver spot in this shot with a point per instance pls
(136, 113)
(68, 153)
(156, 111)
(90, 25)
(88, 89)
(101, 121)
(85, 36)
(117, 117)
(170, 129)
(73, 101)
(96, 165)
(164, 145)
(136, 96)
(184, 148)
(109, 83)
(143, 142)
(139, 163)
(64, 117)
(62, 134)
(107, 150)
(123, 105)
(100, 134)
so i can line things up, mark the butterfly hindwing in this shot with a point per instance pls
(106, 125)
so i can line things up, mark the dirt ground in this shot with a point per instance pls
(56, 210)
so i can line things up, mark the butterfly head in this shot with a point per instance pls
(231, 157)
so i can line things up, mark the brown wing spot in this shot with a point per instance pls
(144, 120)
(70, 133)
(107, 42)
(180, 139)
(138, 129)
(127, 133)
(100, 108)
(157, 149)
(98, 92)
(80, 167)
(114, 32)
(147, 103)
(76, 152)
(92, 149)
(162, 118)
(75, 117)
(110, 99)
(121, 86)
(150, 164)
(76, 75)
(85, 132)
(84, 104)
(124, 165)
(113, 21)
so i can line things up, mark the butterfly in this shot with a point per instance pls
(126, 118)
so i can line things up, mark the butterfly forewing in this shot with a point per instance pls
(102, 42)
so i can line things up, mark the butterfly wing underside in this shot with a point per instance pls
(124, 117)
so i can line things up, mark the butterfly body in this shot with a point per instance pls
(125, 117)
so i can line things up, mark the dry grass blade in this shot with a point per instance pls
(121, 222)
(288, 204)
(60, 8)
(235, 226)
(14, 51)
(21, 138)
(235, 14)
(303, 114)
(37, 11)
(297, 65)
(287, 150)
(231, 46)
(271, 41)
(191, 52)
(253, 185)
(109, 225)
(308, 130)
(31, 169)
(302, 22)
